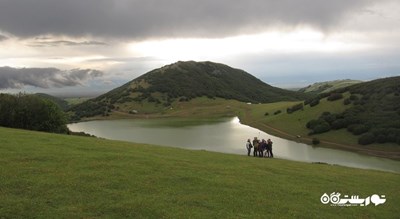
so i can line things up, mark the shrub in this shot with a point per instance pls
(338, 124)
(183, 99)
(329, 118)
(266, 114)
(367, 138)
(347, 101)
(312, 123)
(381, 139)
(358, 129)
(353, 97)
(277, 112)
(311, 101)
(321, 128)
(294, 108)
(314, 102)
(325, 113)
(323, 95)
(307, 101)
(335, 96)
(315, 141)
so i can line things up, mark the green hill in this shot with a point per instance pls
(60, 102)
(46, 175)
(328, 86)
(373, 113)
(364, 117)
(183, 81)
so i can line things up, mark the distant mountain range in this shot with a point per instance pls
(183, 81)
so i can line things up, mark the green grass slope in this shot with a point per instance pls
(57, 176)
(295, 122)
(328, 86)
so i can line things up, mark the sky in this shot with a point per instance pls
(88, 47)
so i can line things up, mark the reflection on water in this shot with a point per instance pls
(223, 135)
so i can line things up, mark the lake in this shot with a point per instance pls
(223, 135)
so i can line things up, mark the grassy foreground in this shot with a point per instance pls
(55, 176)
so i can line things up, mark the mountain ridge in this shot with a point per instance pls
(328, 86)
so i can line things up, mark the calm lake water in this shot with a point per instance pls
(223, 135)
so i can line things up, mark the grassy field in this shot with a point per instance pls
(57, 176)
(295, 122)
(76, 100)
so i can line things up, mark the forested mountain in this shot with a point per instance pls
(183, 81)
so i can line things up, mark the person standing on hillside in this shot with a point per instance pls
(269, 148)
(255, 145)
(262, 147)
(248, 146)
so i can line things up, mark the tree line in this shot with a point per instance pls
(31, 112)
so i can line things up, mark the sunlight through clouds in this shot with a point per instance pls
(299, 41)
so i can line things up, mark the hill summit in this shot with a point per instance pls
(183, 81)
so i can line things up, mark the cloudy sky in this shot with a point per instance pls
(80, 46)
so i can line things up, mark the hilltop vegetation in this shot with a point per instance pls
(374, 112)
(183, 81)
(328, 86)
(58, 176)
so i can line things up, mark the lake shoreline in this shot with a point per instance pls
(225, 135)
(326, 144)
(248, 120)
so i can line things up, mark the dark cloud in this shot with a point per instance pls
(66, 43)
(166, 18)
(44, 77)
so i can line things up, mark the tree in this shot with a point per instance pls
(335, 96)
(358, 129)
(367, 138)
(321, 128)
(294, 108)
(314, 102)
(315, 141)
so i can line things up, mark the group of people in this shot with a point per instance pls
(261, 148)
